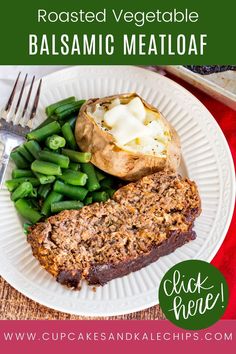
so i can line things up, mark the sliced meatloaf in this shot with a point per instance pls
(144, 221)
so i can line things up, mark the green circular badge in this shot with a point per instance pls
(193, 294)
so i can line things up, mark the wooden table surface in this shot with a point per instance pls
(15, 306)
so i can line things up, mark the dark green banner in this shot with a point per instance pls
(122, 32)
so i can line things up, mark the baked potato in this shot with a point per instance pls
(127, 137)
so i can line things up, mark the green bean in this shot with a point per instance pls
(44, 190)
(100, 175)
(26, 228)
(77, 156)
(66, 205)
(46, 168)
(34, 203)
(34, 193)
(12, 184)
(42, 133)
(40, 189)
(72, 122)
(33, 147)
(19, 160)
(55, 142)
(24, 208)
(73, 192)
(100, 196)
(50, 110)
(47, 121)
(110, 192)
(25, 153)
(17, 173)
(88, 200)
(74, 166)
(75, 178)
(23, 190)
(92, 183)
(69, 136)
(44, 179)
(50, 199)
(58, 151)
(107, 182)
(66, 110)
(61, 160)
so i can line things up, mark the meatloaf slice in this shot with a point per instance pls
(144, 221)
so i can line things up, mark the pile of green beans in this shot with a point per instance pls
(51, 174)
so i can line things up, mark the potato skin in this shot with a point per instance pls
(110, 158)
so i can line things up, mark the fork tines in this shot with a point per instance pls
(12, 95)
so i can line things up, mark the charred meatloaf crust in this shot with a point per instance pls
(210, 69)
(144, 221)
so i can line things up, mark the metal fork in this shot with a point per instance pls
(11, 134)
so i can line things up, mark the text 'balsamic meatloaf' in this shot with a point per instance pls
(144, 221)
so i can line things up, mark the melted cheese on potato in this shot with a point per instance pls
(133, 126)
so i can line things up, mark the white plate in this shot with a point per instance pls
(206, 159)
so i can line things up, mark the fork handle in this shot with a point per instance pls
(4, 161)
